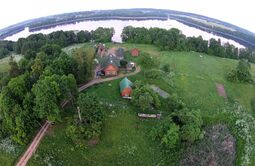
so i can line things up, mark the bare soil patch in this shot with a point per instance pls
(221, 90)
(93, 142)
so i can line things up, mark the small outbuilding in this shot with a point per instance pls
(126, 87)
(135, 52)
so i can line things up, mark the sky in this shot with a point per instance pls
(237, 12)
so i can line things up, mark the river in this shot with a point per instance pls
(118, 26)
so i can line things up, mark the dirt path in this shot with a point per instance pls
(99, 80)
(34, 144)
(32, 147)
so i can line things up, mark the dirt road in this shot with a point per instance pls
(32, 147)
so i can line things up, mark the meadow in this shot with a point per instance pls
(125, 139)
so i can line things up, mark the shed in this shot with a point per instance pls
(135, 52)
(126, 87)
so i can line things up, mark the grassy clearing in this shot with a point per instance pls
(124, 141)
(69, 50)
(4, 63)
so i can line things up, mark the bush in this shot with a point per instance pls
(91, 123)
(253, 104)
(166, 68)
(181, 126)
(190, 122)
(167, 133)
(242, 72)
(174, 103)
(232, 76)
(144, 97)
(148, 61)
(153, 74)
(171, 138)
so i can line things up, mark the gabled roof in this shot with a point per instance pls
(125, 83)
(106, 61)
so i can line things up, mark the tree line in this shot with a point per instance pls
(173, 39)
(6, 47)
(33, 43)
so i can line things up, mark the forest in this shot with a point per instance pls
(34, 88)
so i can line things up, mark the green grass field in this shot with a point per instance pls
(4, 63)
(125, 139)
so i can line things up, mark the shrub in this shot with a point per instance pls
(167, 133)
(232, 76)
(148, 61)
(153, 74)
(174, 103)
(171, 138)
(166, 68)
(144, 97)
(242, 72)
(253, 104)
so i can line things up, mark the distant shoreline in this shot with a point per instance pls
(237, 34)
(33, 29)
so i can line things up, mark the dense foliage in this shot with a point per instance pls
(173, 39)
(144, 97)
(102, 34)
(33, 43)
(148, 61)
(241, 73)
(35, 88)
(89, 122)
(6, 47)
(183, 125)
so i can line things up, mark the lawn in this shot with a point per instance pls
(196, 78)
(125, 139)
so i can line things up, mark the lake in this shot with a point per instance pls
(118, 25)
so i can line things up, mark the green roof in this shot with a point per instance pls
(124, 83)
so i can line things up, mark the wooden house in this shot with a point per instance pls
(110, 66)
(125, 87)
(135, 52)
